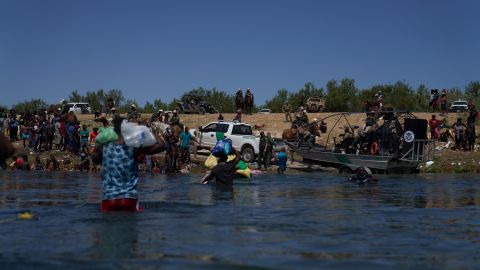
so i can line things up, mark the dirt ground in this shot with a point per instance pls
(275, 122)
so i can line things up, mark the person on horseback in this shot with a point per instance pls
(434, 99)
(300, 118)
(379, 98)
(166, 118)
(175, 120)
(133, 114)
(239, 100)
(248, 103)
(287, 109)
(444, 102)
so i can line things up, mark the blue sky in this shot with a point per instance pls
(152, 49)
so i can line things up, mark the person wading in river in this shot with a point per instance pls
(223, 172)
(120, 171)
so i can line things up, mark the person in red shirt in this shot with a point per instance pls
(434, 124)
(93, 135)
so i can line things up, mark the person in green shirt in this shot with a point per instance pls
(84, 137)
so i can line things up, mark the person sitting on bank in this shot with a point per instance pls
(120, 170)
(238, 117)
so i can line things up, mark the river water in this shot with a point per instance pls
(293, 221)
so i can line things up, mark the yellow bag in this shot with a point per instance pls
(231, 157)
(211, 162)
(245, 173)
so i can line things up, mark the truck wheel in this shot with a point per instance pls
(201, 110)
(248, 155)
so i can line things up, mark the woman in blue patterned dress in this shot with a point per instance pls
(120, 171)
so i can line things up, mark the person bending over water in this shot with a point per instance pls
(362, 176)
(223, 172)
(120, 171)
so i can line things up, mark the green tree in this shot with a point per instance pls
(276, 103)
(455, 94)
(158, 104)
(300, 97)
(342, 97)
(472, 91)
(173, 104)
(148, 108)
(75, 97)
(30, 105)
(117, 97)
(422, 98)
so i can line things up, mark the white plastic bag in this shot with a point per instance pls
(136, 135)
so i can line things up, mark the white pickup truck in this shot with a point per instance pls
(241, 135)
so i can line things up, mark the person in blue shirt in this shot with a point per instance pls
(282, 161)
(185, 139)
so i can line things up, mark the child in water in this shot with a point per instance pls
(120, 171)
(282, 161)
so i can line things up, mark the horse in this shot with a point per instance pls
(239, 101)
(435, 104)
(248, 102)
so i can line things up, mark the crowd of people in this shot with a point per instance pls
(463, 134)
(59, 131)
(58, 141)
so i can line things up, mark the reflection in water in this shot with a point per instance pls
(115, 236)
(303, 221)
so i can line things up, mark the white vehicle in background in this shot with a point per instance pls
(265, 111)
(459, 106)
(241, 135)
(79, 107)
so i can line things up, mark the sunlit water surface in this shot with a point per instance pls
(293, 221)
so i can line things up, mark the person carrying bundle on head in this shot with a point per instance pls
(119, 164)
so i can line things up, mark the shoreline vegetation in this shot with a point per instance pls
(340, 96)
(446, 159)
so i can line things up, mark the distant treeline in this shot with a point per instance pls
(339, 96)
